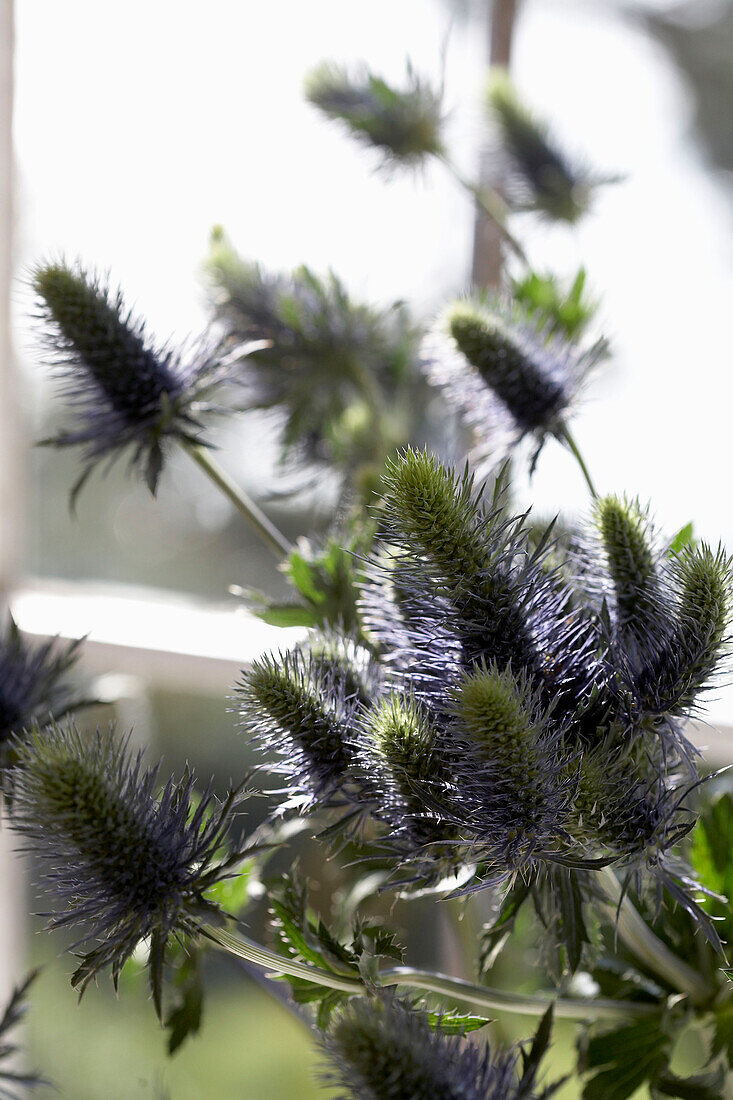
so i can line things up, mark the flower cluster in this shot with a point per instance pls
(508, 376)
(525, 719)
(406, 125)
(126, 862)
(127, 391)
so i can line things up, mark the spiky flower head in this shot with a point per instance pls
(507, 378)
(386, 1050)
(127, 391)
(405, 124)
(301, 705)
(33, 684)
(126, 861)
(334, 370)
(538, 174)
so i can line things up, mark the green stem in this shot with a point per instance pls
(567, 437)
(257, 519)
(649, 949)
(482, 997)
(492, 204)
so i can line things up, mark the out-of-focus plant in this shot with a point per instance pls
(484, 707)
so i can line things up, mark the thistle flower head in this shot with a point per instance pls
(386, 1050)
(32, 683)
(327, 358)
(404, 124)
(303, 706)
(125, 862)
(507, 378)
(126, 390)
(540, 176)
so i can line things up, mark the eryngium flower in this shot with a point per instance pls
(126, 390)
(328, 360)
(127, 862)
(507, 378)
(385, 1050)
(302, 706)
(406, 125)
(32, 684)
(537, 174)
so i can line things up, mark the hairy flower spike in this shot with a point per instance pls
(405, 125)
(328, 359)
(385, 1050)
(540, 176)
(126, 390)
(302, 707)
(507, 378)
(126, 863)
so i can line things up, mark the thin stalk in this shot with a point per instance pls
(257, 519)
(456, 989)
(492, 204)
(649, 949)
(567, 438)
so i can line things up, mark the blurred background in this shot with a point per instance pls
(135, 128)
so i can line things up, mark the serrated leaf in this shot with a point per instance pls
(703, 1086)
(627, 1058)
(455, 1023)
(185, 1019)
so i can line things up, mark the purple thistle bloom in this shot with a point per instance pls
(126, 390)
(125, 863)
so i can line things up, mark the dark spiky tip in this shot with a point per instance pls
(126, 390)
(126, 862)
(404, 124)
(542, 176)
(388, 1050)
(521, 374)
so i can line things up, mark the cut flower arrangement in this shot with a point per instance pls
(485, 708)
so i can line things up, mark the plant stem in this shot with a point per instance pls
(266, 530)
(492, 204)
(456, 989)
(567, 437)
(649, 949)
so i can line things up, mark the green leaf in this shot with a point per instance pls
(626, 1058)
(232, 894)
(450, 1023)
(723, 1032)
(302, 573)
(185, 1019)
(286, 614)
(573, 930)
(712, 843)
(684, 537)
(703, 1086)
